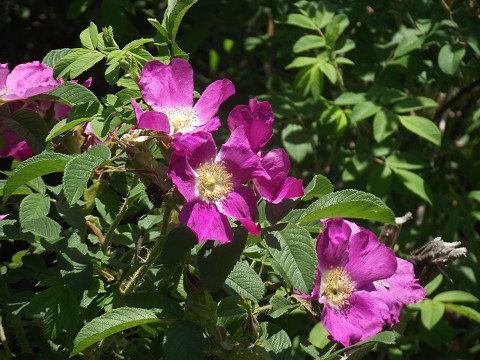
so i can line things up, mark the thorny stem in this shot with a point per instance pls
(20, 333)
(152, 256)
(116, 221)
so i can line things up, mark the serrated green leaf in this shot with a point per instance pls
(350, 98)
(34, 206)
(111, 323)
(308, 42)
(245, 282)
(349, 203)
(422, 127)
(184, 340)
(407, 44)
(294, 251)
(456, 296)
(83, 63)
(414, 183)
(44, 227)
(61, 66)
(72, 94)
(450, 57)
(431, 312)
(329, 70)
(178, 242)
(301, 21)
(22, 190)
(309, 80)
(318, 336)
(465, 311)
(161, 30)
(385, 123)
(44, 299)
(79, 169)
(408, 161)
(54, 56)
(302, 61)
(173, 16)
(276, 341)
(79, 114)
(136, 44)
(364, 110)
(89, 37)
(39, 165)
(318, 187)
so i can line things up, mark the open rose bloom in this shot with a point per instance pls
(212, 183)
(168, 90)
(360, 282)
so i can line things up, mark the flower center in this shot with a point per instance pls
(214, 182)
(338, 287)
(180, 119)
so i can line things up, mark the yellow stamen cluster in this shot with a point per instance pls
(338, 287)
(180, 119)
(214, 182)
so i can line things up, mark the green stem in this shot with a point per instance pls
(152, 256)
(3, 339)
(20, 333)
(116, 221)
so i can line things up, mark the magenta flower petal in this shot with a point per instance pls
(239, 159)
(150, 120)
(14, 147)
(198, 147)
(3, 216)
(206, 221)
(277, 164)
(361, 320)
(241, 204)
(332, 244)
(211, 99)
(369, 260)
(167, 86)
(183, 175)
(27, 80)
(257, 118)
(3, 77)
(399, 290)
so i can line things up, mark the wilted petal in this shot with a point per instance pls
(257, 119)
(241, 205)
(167, 86)
(239, 159)
(211, 99)
(206, 221)
(369, 260)
(400, 289)
(359, 321)
(199, 147)
(28, 80)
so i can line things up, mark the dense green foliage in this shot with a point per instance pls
(380, 97)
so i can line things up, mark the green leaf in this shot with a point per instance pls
(350, 98)
(364, 110)
(422, 127)
(450, 57)
(408, 161)
(294, 250)
(456, 296)
(308, 42)
(465, 311)
(44, 299)
(301, 21)
(317, 188)
(276, 341)
(71, 94)
(434, 284)
(44, 227)
(79, 114)
(111, 323)
(349, 203)
(62, 65)
(318, 336)
(297, 141)
(416, 103)
(216, 260)
(184, 340)
(309, 80)
(329, 70)
(176, 9)
(79, 169)
(39, 165)
(302, 61)
(178, 242)
(161, 30)
(29, 126)
(54, 56)
(431, 312)
(83, 63)
(245, 282)
(89, 37)
(384, 124)
(407, 44)
(136, 44)
(414, 183)
(34, 206)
